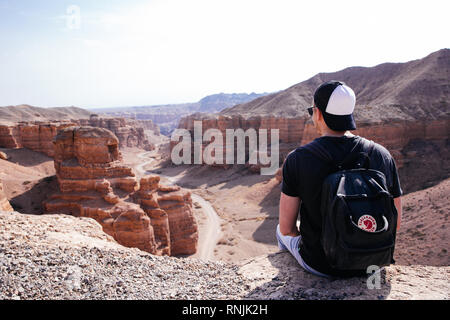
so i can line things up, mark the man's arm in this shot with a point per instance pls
(289, 207)
(398, 206)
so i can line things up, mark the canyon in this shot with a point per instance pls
(102, 193)
(94, 182)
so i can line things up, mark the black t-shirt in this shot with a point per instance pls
(303, 175)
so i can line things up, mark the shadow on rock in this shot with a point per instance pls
(265, 233)
(26, 157)
(30, 202)
(278, 276)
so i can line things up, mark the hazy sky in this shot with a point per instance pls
(106, 53)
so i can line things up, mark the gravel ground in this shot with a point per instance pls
(62, 257)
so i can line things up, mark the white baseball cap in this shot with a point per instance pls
(337, 102)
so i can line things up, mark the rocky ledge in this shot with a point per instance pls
(65, 257)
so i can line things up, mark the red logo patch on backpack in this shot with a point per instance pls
(367, 223)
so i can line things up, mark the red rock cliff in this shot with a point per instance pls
(394, 134)
(129, 132)
(38, 136)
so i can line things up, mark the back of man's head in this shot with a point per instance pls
(336, 101)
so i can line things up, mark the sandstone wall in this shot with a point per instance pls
(129, 132)
(290, 129)
(38, 136)
(32, 135)
(95, 183)
(293, 132)
(148, 125)
(395, 135)
(170, 209)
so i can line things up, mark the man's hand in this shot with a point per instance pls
(398, 206)
(288, 213)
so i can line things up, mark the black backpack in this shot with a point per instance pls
(359, 218)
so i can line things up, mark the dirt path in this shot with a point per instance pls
(212, 228)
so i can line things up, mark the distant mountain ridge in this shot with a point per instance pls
(211, 103)
(168, 116)
(218, 102)
(414, 89)
(14, 114)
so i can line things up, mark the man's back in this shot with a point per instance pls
(303, 174)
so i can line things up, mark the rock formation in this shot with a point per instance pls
(403, 138)
(38, 136)
(170, 209)
(148, 125)
(4, 203)
(129, 133)
(395, 135)
(95, 183)
(290, 130)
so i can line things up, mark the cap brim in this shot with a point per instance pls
(339, 123)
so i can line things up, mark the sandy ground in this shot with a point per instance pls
(424, 236)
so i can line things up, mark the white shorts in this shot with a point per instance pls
(291, 244)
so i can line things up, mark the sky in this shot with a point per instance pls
(108, 53)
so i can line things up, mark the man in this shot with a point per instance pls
(304, 173)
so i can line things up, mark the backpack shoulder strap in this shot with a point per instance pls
(364, 156)
(371, 147)
(359, 159)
